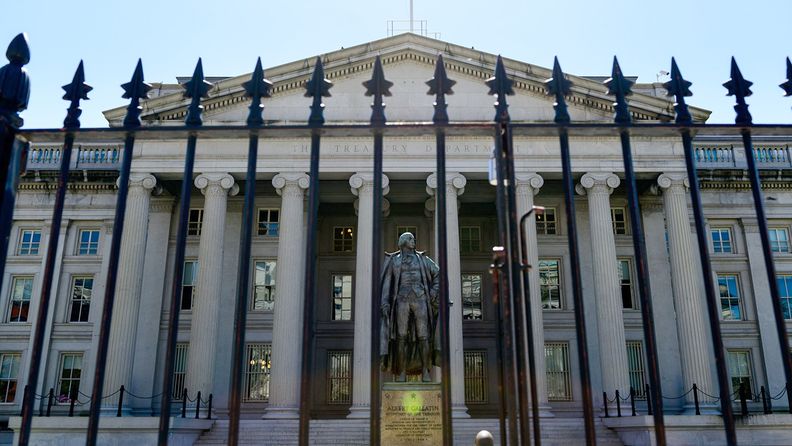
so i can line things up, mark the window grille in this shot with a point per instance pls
(21, 291)
(546, 222)
(635, 368)
(721, 240)
(339, 377)
(476, 382)
(264, 286)
(180, 369)
(550, 283)
(559, 384)
(89, 242)
(471, 297)
(343, 239)
(82, 289)
(29, 242)
(729, 289)
(9, 375)
(257, 374)
(268, 222)
(69, 377)
(342, 297)
(195, 222)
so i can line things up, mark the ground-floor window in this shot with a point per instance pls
(69, 376)
(339, 377)
(180, 369)
(635, 368)
(740, 370)
(257, 374)
(559, 383)
(476, 381)
(9, 374)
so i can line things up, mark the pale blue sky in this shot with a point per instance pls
(170, 36)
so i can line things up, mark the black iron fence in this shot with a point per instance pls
(516, 385)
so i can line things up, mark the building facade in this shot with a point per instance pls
(342, 322)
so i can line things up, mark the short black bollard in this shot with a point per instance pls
(184, 403)
(120, 400)
(41, 407)
(743, 399)
(198, 405)
(632, 400)
(789, 389)
(649, 410)
(50, 400)
(209, 409)
(72, 400)
(618, 404)
(695, 399)
(605, 403)
(769, 402)
(764, 400)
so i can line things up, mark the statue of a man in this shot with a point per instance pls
(409, 340)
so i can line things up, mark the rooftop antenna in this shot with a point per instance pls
(412, 21)
(412, 25)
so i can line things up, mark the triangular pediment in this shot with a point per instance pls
(408, 61)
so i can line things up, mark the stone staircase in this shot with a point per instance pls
(354, 432)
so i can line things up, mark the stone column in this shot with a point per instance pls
(362, 185)
(123, 329)
(610, 321)
(686, 283)
(527, 185)
(284, 400)
(455, 185)
(203, 331)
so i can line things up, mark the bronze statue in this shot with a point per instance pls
(409, 337)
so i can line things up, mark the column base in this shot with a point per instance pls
(545, 411)
(358, 412)
(281, 413)
(459, 411)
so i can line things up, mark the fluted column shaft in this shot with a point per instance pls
(610, 319)
(124, 325)
(284, 400)
(206, 308)
(685, 282)
(455, 186)
(362, 185)
(527, 185)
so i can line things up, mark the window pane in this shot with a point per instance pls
(471, 297)
(546, 222)
(343, 237)
(785, 294)
(339, 377)
(9, 375)
(189, 278)
(82, 289)
(559, 386)
(264, 286)
(257, 372)
(729, 297)
(740, 370)
(342, 297)
(550, 284)
(21, 291)
(69, 382)
(625, 281)
(268, 222)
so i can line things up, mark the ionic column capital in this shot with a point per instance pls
(455, 181)
(597, 181)
(145, 181)
(216, 183)
(292, 183)
(669, 180)
(364, 181)
(528, 182)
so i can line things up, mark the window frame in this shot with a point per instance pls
(193, 285)
(784, 282)
(182, 356)
(473, 243)
(269, 224)
(779, 229)
(631, 272)
(636, 368)
(82, 302)
(739, 298)
(720, 230)
(626, 222)
(344, 382)
(194, 228)
(350, 298)
(79, 250)
(12, 301)
(263, 376)
(255, 285)
(476, 359)
(348, 229)
(60, 377)
(565, 374)
(21, 242)
(541, 226)
(12, 379)
(730, 352)
(480, 297)
(559, 285)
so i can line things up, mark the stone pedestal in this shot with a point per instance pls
(411, 414)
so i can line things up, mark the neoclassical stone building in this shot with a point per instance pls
(341, 348)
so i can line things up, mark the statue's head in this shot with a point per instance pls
(407, 240)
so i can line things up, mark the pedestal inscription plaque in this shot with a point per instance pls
(411, 414)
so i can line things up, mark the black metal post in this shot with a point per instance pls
(50, 399)
(497, 299)
(72, 400)
(618, 404)
(529, 323)
(605, 403)
(647, 392)
(120, 400)
(696, 399)
(184, 404)
(632, 401)
(763, 393)
(743, 395)
(198, 405)
(209, 407)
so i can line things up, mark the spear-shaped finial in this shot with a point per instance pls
(256, 88)
(787, 85)
(559, 86)
(740, 88)
(378, 87)
(440, 85)
(619, 86)
(75, 91)
(14, 81)
(195, 89)
(500, 85)
(680, 88)
(135, 90)
(317, 88)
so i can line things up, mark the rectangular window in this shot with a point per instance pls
(740, 370)
(546, 222)
(29, 242)
(189, 278)
(635, 368)
(729, 289)
(268, 222)
(779, 239)
(89, 242)
(721, 240)
(476, 382)
(471, 297)
(180, 369)
(342, 297)
(339, 377)
(785, 293)
(82, 288)
(559, 384)
(21, 290)
(264, 286)
(343, 239)
(257, 374)
(619, 220)
(550, 283)
(195, 222)
(9, 374)
(469, 239)
(626, 284)
(69, 377)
